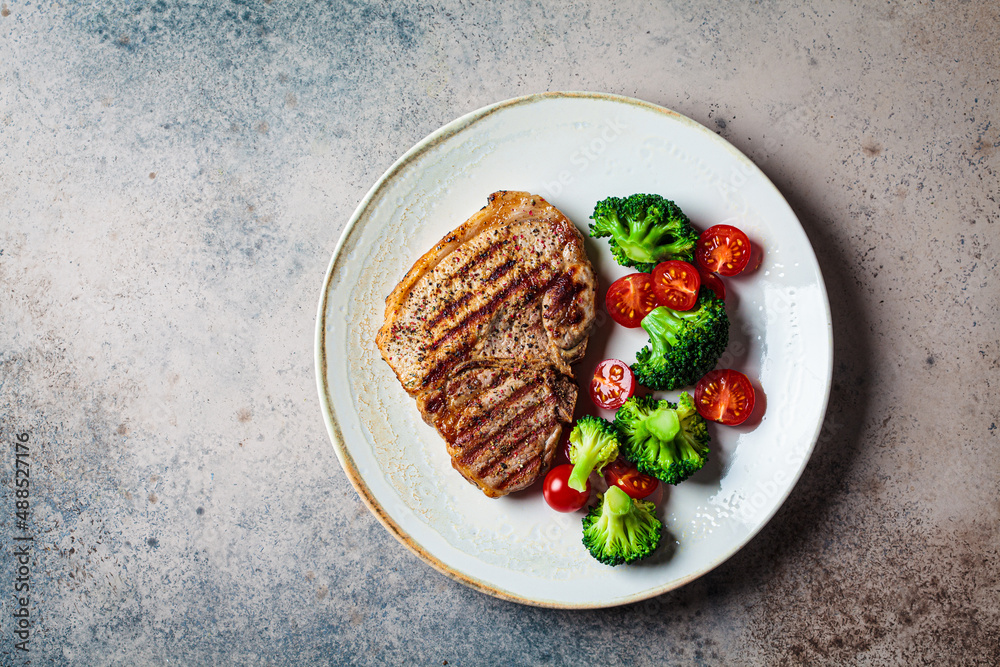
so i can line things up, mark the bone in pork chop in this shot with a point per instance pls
(482, 332)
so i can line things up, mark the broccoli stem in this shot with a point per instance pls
(663, 424)
(582, 468)
(662, 325)
(617, 502)
(648, 241)
(668, 454)
(636, 244)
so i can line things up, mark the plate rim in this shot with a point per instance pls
(336, 436)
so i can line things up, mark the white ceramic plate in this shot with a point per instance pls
(574, 149)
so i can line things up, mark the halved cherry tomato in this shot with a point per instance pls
(712, 282)
(558, 493)
(613, 384)
(724, 396)
(630, 299)
(676, 285)
(624, 475)
(723, 249)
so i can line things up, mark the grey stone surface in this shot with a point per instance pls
(173, 180)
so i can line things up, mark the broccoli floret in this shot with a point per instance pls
(666, 440)
(683, 344)
(593, 443)
(644, 229)
(620, 529)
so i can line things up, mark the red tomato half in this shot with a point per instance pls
(676, 285)
(624, 475)
(723, 249)
(630, 299)
(613, 384)
(558, 493)
(712, 282)
(724, 396)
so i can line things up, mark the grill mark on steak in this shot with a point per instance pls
(501, 270)
(460, 398)
(434, 404)
(450, 309)
(488, 413)
(441, 367)
(462, 327)
(563, 293)
(515, 442)
(528, 471)
(470, 440)
(487, 453)
(523, 448)
(520, 475)
(460, 330)
(480, 259)
(520, 471)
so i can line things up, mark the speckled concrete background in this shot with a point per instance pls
(173, 180)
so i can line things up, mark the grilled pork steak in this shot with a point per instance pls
(502, 420)
(482, 332)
